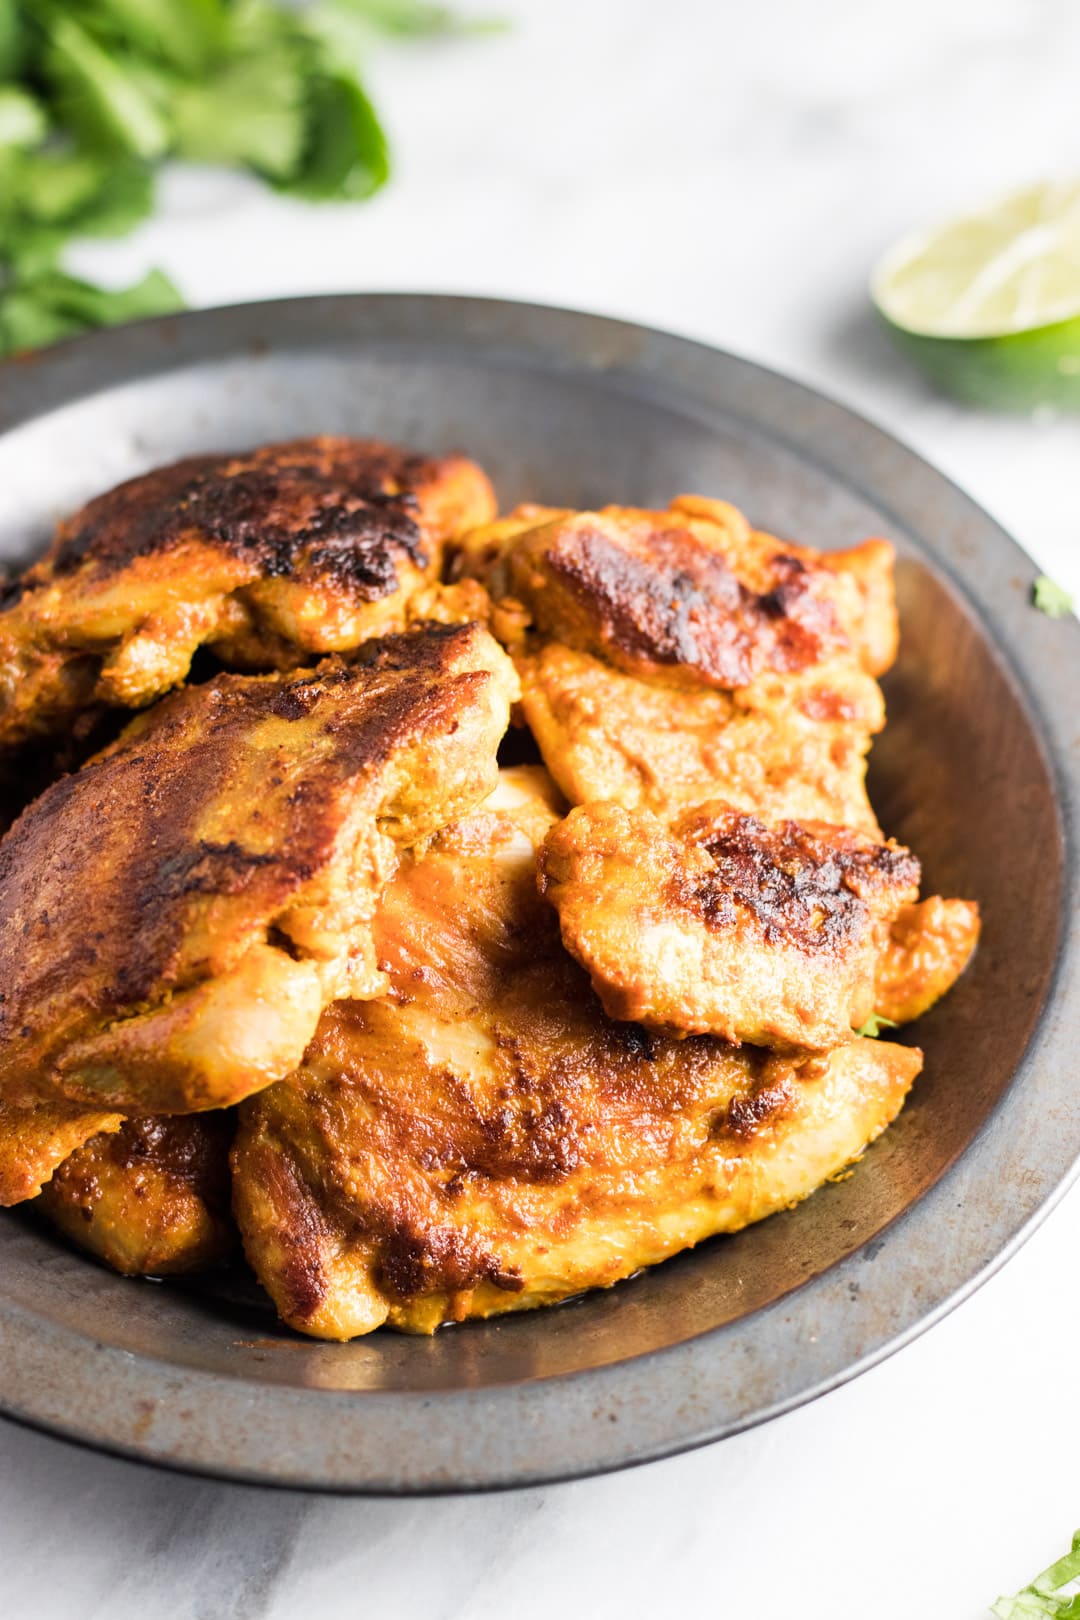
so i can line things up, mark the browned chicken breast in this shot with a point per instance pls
(271, 559)
(175, 915)
(929, 946)
(721, 925)
(37, 1138)
(692, 593)
(607, 735)
(485, 1140)
(151, 1199)
(670, 657)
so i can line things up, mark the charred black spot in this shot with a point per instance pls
(678, 604)
(746, 1116)
(207, 868)
(191, 1151)
(801, 889)
(636, 1041)
(418, 1260)
(344, 513)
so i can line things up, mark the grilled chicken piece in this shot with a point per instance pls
(692, 593)
(175, 915)
(791, 749)
(929, 947)
(670, 657)
(152, 1199)
(485, 1140)
(271, 559)
(36, 1139)
(720, 925)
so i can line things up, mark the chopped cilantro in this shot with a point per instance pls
(1051, 598)
(875, 1024)
(1046, 1595)
(95, 94)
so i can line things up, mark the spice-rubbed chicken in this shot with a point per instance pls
(722, 925)
(929, 946)
(485, 1140)
(787, 935)
(151, 1199)
(692, 593)
(671, 657)
(36, 1138)
(175, 915)
(291, 887)
(271, 559)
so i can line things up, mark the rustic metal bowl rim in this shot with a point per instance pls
(673, 1399)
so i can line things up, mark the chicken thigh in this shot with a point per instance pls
(671, 657)
(484, 1139)
(175, 915)
(151, 1199)
(722, 925)
(272, 559)
(36, 1138)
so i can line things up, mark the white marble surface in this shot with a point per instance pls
(731, 172)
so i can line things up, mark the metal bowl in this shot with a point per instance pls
(978, 770)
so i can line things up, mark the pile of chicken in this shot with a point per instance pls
(286, 954)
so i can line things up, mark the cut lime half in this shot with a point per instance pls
(989, 305)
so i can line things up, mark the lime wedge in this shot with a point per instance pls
(989, 305)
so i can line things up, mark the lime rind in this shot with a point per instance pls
(988, 307)
(1024, 372)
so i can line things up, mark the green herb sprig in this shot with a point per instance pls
(874, 1026)
(1051, 598)
(96, 94)
(1045, 1596)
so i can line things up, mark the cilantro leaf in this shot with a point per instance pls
(185, 34)
(124, 198)
(251, 112)
(57, 185)
(101, 102)
(874, 1026)
(45, 308)
(346, 154)
(13, 40)
(1051, 598)
(1045, 1595)
(418, 17)
(95, 94)
(33, 251)
(23, 121)
(29, 322)
(71, 191)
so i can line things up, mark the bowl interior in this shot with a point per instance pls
(959, 774)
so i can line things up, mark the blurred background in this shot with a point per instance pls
(731, 172)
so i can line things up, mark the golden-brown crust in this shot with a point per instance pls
(669, 657)
(469, 1130)
(929, 946)
(726, 926)
(36, 1139)
(484, 1139)
(391, 1181)
(272, 558)
(692, 595)
(348, 510)
(877, 631)
(223, 858)
(651, 599)
(607, 735)
(153, 1199)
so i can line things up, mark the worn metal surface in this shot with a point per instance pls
(979, 770)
